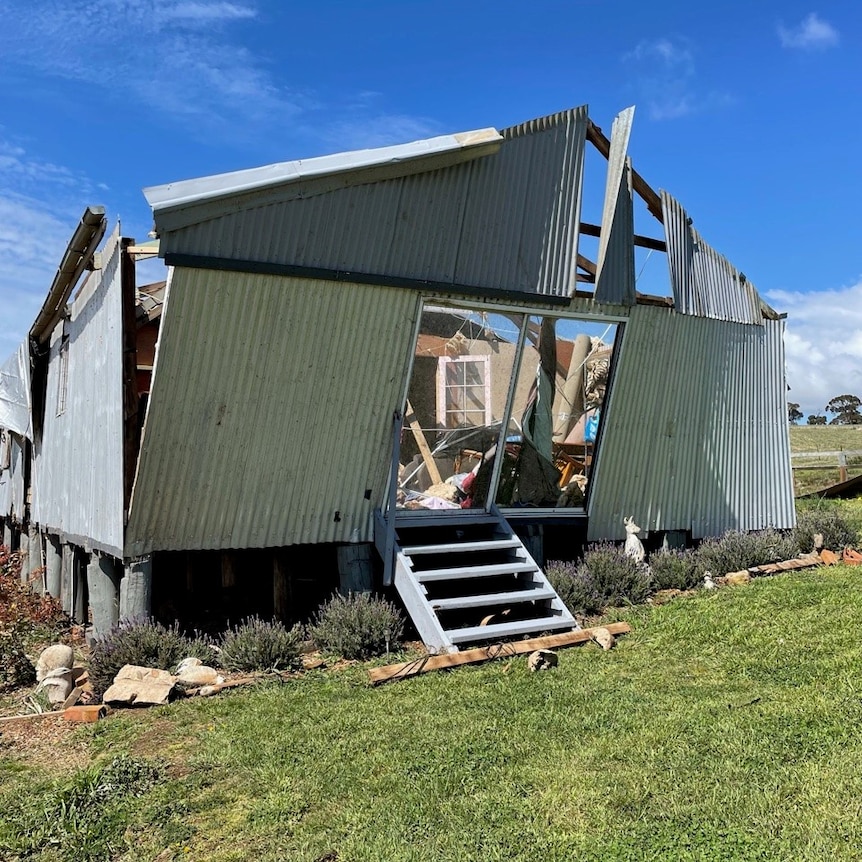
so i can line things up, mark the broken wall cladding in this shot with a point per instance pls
(505, 221)
(17, 492)
(704, 282)
(615, 270)
(77, 477)
(270, 414)
(695, 434)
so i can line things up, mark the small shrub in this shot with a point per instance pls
(16, 669)
(357, 626)
(575, 586)
(259, 645)
(18, 602)
(673, 570)
(618, 578)
(141, 642)
(736, 550)
(605, 577)
(837, 532)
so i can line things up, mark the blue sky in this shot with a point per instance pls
(748, 113)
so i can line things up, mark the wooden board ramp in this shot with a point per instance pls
(427, 663)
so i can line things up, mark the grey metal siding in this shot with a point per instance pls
(269, 420)
(78, 464)
(615, 268)
(695, 436)
(704, 282)
(507, 220)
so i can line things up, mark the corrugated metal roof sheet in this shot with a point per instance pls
(270, 416)
(182, 203)
(704, 282)
(505, 221)
(695, 435)
(615, 269)
(77, 475)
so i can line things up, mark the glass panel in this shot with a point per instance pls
(557, 408)
(462, 374)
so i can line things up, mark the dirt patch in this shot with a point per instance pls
(45, 742)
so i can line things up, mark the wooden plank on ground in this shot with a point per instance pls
(424, 664)
(424, 448)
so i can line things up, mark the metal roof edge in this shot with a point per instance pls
(350, 168)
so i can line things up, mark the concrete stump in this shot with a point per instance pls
(24, 552)
(35, 573)
(53, 565)
(136, 589)
(103, 583)
(7, 533)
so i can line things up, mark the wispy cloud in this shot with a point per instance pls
(812, 34)
(823, 343)
(665, 76)
(379, 130)
(40, 203)
(179, 59)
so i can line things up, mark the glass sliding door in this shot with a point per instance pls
(558, 400)
(457, 400)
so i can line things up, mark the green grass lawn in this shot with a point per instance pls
(726, 726)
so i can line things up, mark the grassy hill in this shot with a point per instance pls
(824, 438)
(724, 727)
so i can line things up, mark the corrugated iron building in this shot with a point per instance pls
(289, 328)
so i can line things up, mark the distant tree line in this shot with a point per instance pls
(847, 410)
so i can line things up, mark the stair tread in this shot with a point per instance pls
(520, 627)
(516, 597)
(457, 547)
(474, 571)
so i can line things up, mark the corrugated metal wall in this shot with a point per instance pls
(78, 466)
(704, 282)
(695, 435)
(269, 420)
(615, 268)
(505, 221)
(17, 489)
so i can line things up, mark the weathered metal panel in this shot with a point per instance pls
(269, 419)
(15, 392)
(17, 488)
(704, 282)
(508, 220)
(78, 463)
(695, 435)
(615, 268)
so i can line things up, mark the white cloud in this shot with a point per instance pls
(379, 131)
(180, 59)
(665, 76)
(823, 344)
(812, 34)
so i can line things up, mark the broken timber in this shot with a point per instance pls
(428, 663)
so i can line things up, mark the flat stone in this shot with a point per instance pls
(148, 674)
(138, 692)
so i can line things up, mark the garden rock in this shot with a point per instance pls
(604, 638)
(199, 675)
(57, 685)
(140, 686)
(54, 658)
(542, 659)
(187, 663)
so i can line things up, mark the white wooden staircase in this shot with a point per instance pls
(467, 578)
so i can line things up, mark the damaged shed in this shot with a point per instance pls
(406, 349)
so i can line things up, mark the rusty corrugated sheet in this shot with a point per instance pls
(269, 420)
(77, 473)
(508, 220)
(695, 435)
(704, 282)
(615, 268)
